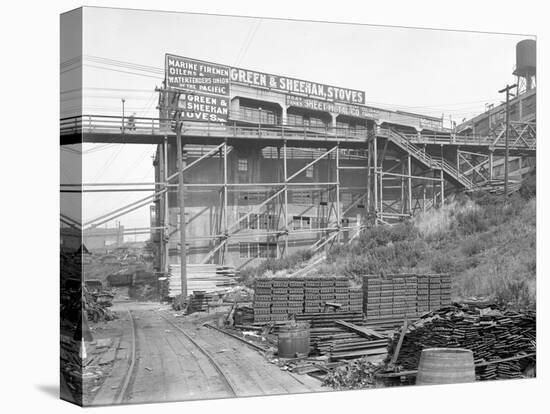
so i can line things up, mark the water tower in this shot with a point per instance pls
(526, 67)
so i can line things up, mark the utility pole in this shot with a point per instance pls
(183, 249)
(506, 150)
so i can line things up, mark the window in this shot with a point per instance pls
(243, 250)
(253, 250)
(253, 221)
(243, 164)
(302, 197)
(243, 225)
(265, 221)
(301, 222)
(309, 172)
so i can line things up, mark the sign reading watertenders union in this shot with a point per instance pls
(195, 75)
(205, 108)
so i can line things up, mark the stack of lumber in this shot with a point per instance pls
(208, 278)
(497, 186)
(335, 335)
(279, 298)
(388, 300)
(491, 333)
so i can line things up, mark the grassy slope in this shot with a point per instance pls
(488, 245)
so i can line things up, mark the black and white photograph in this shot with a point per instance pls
(252, 206)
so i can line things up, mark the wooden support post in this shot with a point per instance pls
(424, 196)
(410, 183)
(225, 219)
(457, 162)
(402, 181)
(491, 165)
(369, 173)
(160, 221)
(338, 213)
(183, 248)
(166, 219)
(285, 173)
(442, 188)
(375, 172)
(442, 185)
(381, 193)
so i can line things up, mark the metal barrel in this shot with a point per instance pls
(293, 340)
(445, 366)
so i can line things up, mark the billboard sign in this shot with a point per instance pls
(194, 75)
(297, 87)
(202, 107)
(334, 107)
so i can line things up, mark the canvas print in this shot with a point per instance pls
(252, 206)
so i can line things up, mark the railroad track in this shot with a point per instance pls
(203, 351)
(123, 395)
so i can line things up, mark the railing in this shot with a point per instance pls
(522, 136)
(104, 124)
(402, 141)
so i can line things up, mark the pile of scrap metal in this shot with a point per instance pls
(503, 341)
(97, 305)
(357, 374)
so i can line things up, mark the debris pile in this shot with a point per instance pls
(357, 374)
(96, 310)
(491, 333)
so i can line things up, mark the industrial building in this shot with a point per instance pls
(287, 170)
(275, 164)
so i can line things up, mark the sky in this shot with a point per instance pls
(433, 72)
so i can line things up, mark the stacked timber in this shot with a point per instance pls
(207, 278)
(390, 299)
(497, 186)
(280, 298)
(491, 334)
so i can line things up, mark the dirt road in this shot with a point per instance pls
(178, 360)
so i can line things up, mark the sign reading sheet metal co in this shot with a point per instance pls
(195, 75)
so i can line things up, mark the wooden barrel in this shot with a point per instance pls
(445, 366)
(293, 340)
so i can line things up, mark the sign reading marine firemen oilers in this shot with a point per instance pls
(194, 75)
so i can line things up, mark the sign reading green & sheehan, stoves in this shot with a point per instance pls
(188, 74)
(204, 108)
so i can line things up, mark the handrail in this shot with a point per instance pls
(448, 168)
(235, 128)
(523, 134)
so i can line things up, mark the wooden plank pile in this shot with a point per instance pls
(388, 300)
(208, 278)
(337, 335)
(279, 298)
(492, 334)
(497, 186)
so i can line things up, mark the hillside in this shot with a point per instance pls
(488, 244)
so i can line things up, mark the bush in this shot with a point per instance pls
(442, 264)
(514, 293)
(528, 188)
(472, 246)
(471, 221)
